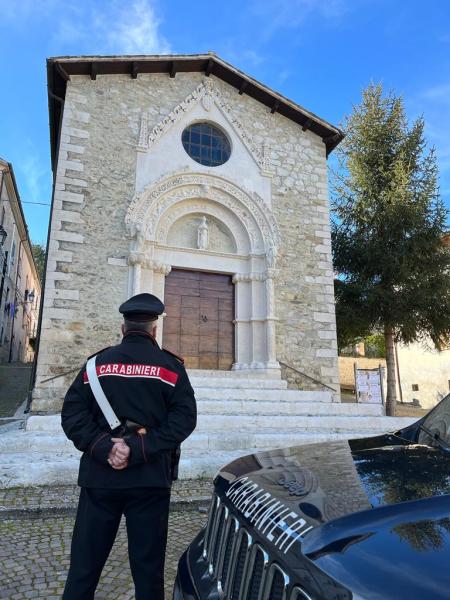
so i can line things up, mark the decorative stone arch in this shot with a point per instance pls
(149, 218)
(209, 208)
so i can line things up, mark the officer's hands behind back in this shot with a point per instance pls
(120, 452)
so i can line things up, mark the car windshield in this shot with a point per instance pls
(435, 430)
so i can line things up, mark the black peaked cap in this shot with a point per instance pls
(143, 307)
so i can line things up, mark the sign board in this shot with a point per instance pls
(369, 385)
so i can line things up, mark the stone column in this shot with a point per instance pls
(136, 260)
(271, 319)
(257, 319)
(159, 271)
(241, 321)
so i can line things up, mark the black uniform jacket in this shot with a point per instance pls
(145, 384)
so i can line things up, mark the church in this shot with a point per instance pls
(184, 177)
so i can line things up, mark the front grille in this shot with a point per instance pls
(255, 578)
(215, 503)
(219, 534)
(240, 566)
(277, 584)
(230, 542)
(237, 578)
(299, 594)
(256, 573)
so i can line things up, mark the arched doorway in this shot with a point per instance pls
(206, 225)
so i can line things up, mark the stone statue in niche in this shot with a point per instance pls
(203, 235)
(271, 254)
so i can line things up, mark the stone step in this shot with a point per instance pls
(266, 407)
(253, 423)
(237, 383)
(221, 424)
(235, 375)
(202, 455)
(273, 395)
(234, 438)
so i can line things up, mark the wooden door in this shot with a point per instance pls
(199, 322)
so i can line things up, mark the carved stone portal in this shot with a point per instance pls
(207, 223)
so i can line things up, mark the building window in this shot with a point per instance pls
(206, 144)
(415, 387)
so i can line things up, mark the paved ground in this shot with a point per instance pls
(35, 543)
(14, 383)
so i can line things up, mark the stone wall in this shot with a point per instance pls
(423, 366)
(94, 184)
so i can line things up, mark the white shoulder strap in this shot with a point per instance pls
(99, 394)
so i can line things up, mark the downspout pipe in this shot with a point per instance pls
(41, 304)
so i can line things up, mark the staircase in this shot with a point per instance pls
(237, 415)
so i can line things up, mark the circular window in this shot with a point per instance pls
(206, 144)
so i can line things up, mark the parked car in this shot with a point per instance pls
(365, 519)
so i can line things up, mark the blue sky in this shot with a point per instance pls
(320, 53)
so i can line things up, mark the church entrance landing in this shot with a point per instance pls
(199, 323)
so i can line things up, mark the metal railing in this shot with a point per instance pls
(307, 376)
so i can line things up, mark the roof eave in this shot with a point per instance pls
(59, 70)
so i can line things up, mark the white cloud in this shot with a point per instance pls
(123, 28)
(33, 174)
(135, 30)
(99, 27)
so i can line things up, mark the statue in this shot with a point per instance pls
(271, 254)
(138, 232)
(203, 235)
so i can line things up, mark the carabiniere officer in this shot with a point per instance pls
(127, 472)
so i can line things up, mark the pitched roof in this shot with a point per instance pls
(59, 70)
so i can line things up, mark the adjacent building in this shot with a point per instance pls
(20, 288)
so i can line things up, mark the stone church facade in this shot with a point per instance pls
(183, 177)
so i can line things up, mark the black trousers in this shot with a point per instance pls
(99, 512)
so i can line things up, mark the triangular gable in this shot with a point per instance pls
(206, 94)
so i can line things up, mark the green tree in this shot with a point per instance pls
(38, 251)
(393, 270)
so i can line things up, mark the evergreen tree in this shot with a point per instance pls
(393, 269)
(38, 251)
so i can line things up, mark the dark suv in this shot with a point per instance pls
(367, 519)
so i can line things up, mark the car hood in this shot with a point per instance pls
(333, 479)
(346, 505)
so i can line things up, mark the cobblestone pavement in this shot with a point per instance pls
(34, 556)
(14, 382)
(35, 530)
(60, 499)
